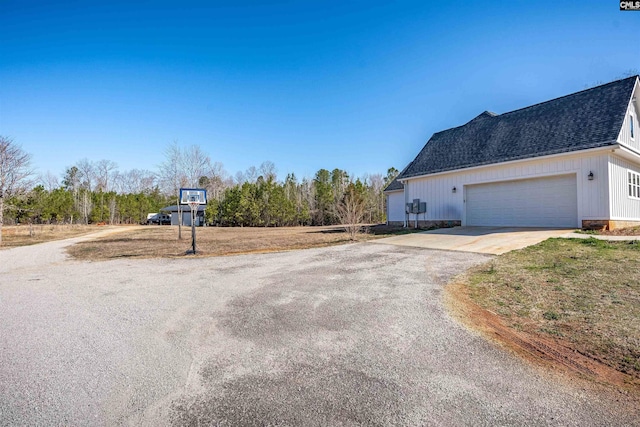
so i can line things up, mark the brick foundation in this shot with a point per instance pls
(590, 224)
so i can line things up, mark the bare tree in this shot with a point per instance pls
(104, 171)
(251, 174)
(50, 181)
(217, 181)
(112, 210)
(217, 170)
(135, 181)
(15, 173)
(375, 197)
(350, 211)
(85, 204)
(195, 164)
(86, 172)
(268, 171)
(148, 181)
(172, 177)
(240, 178)
(86, 175)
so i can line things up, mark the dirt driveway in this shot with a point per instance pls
(482, 240)
(345, 335)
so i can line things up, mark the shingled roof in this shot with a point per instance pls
(394, 185)
(588, 119)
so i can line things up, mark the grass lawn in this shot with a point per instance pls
(162, 241)
(583, 294)
(24, 235)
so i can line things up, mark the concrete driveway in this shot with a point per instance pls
(482, 240)
(346, 335)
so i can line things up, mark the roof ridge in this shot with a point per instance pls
(571, 94)
(534, 105)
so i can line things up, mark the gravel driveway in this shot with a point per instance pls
(346, 335)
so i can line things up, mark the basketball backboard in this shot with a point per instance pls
(193, 195)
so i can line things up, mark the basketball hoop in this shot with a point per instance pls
(194, 197)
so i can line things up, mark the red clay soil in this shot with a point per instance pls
(551, 353)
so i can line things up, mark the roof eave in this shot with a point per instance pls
(628, 153)
(609, 146)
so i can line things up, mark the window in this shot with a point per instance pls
(634, 185)
(631, 125)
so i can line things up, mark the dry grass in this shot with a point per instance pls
(24, 235)
(583, 294)
(629, 231)
(162, 241)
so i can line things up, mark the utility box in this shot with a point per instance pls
(416, 207)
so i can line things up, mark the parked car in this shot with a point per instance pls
(158, 219)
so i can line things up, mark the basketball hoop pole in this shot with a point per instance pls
(194, 214)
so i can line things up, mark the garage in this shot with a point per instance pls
(541, 202)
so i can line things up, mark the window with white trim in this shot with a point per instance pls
(634, 185)
(631, 125)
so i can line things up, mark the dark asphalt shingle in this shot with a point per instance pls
(588, 119)
(394, 185)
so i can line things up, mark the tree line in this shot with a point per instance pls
(98, 192)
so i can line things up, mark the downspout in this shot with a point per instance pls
(406, 215)
(387, 200)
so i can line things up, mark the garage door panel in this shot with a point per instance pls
(541, 202)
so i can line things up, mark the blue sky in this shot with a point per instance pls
(354, 85)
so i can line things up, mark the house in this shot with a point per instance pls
(573, 161)
(186, 214)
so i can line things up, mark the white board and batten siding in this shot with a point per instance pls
(591, 196)
(395, 206)
(625, 133)
(623, 206)
(633, 113)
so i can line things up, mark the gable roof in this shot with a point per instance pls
(588, 119)
(394, 185)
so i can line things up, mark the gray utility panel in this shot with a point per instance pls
(416, 207)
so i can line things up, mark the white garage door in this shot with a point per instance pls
(540, 202)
